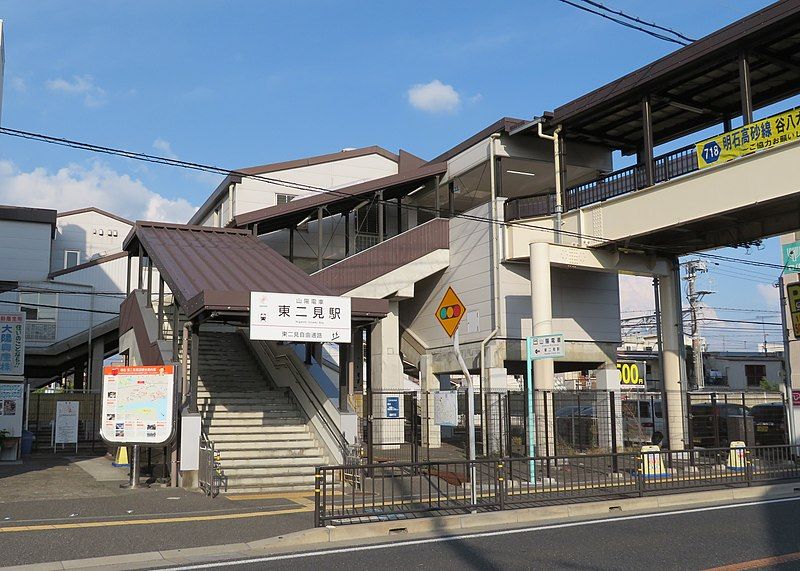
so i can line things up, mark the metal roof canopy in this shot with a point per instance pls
(213, 270)
(336, 201)
(694, 87)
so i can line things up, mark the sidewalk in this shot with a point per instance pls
(54, 509)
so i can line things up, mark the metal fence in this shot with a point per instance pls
(623, 181)
(394, 491)
(42, 416)
(399, 426)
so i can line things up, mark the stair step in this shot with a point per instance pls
(266, 489)
(250, 422)
(265, 438)
(228, 453)
(258, 413)
(268, 481)
(256, 431)
(237, 394)
(272, 462)
(295, 445)
(256, 407)
(276, 473)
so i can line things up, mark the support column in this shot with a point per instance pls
(647, 147)
(672, 338)
(745, 89)
(609, 432)
(345, 375)
(431, 432)
(95, 380)
(78, 378)
(128, 276)
(541, 319)
(319, 239)
(291, 244)
(149, 282)
(381, 217)
(387, 379)
(346, 233)
(160, 307)
(140, 268)
(194, 360)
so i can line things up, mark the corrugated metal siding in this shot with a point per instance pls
(381, 259)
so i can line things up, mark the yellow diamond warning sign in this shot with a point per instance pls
(450, 311)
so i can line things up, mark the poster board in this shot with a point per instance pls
(65, 430)
(12, 343)
(445, 408)
(138, 405)
(12, 399)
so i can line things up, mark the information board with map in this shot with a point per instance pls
(138, 404)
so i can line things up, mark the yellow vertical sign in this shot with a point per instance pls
(793, 298)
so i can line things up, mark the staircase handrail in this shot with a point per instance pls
(262, 349)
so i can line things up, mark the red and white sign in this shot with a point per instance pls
(795, 398)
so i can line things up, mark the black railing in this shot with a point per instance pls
(623, 181)
(393, 491)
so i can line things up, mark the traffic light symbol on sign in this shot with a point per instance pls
(450, 312)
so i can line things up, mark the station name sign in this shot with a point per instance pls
(299, 317)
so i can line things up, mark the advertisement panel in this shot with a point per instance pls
(299, 317)
(138, 405)
(12, 344)
(66, 427)
(756, 136)
(632, 374)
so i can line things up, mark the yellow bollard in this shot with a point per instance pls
(653, 462)
(122, 457)
(737, 457)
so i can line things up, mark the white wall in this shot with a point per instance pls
(734, 369)
(24, 250)
(470, 277)
(252, 194)
(82, 232)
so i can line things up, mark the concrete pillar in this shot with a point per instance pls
(543, 369)
(387, 380)
(672, 333)
(609, 433)
(431, 432)
(494, 393)
(78, 378)
(96, 366)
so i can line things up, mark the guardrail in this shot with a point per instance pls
(623, 181)
(383, 492)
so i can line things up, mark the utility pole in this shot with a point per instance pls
(693, 269)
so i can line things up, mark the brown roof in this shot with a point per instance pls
(215, 269)
(236, 176)
(504, 125)
(703, 76)
(98, 211)
(343, 198)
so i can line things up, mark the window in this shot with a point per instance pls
(40, 315)
(754, 374)
(71, 258)
(283, 198)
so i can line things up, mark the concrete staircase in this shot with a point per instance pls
(264, 439)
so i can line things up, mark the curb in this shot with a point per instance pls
(442, 526)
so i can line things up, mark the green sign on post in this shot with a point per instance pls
(791, 258)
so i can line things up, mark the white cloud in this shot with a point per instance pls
(636, 294)
(75, 186)
(18, 84)
(163, 147)
(770, 295)
(93, 96)
(434, 97)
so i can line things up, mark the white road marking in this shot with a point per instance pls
(478, 535)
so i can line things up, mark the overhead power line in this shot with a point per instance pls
(637, 20)
(61, 141)
(680, 42)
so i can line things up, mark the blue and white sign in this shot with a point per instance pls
(791, 258)
(392, 407)
(12, 344)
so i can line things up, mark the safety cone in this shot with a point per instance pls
(737, 457)
(653, 463)
(121, 461)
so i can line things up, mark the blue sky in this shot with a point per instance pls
(243, 83)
